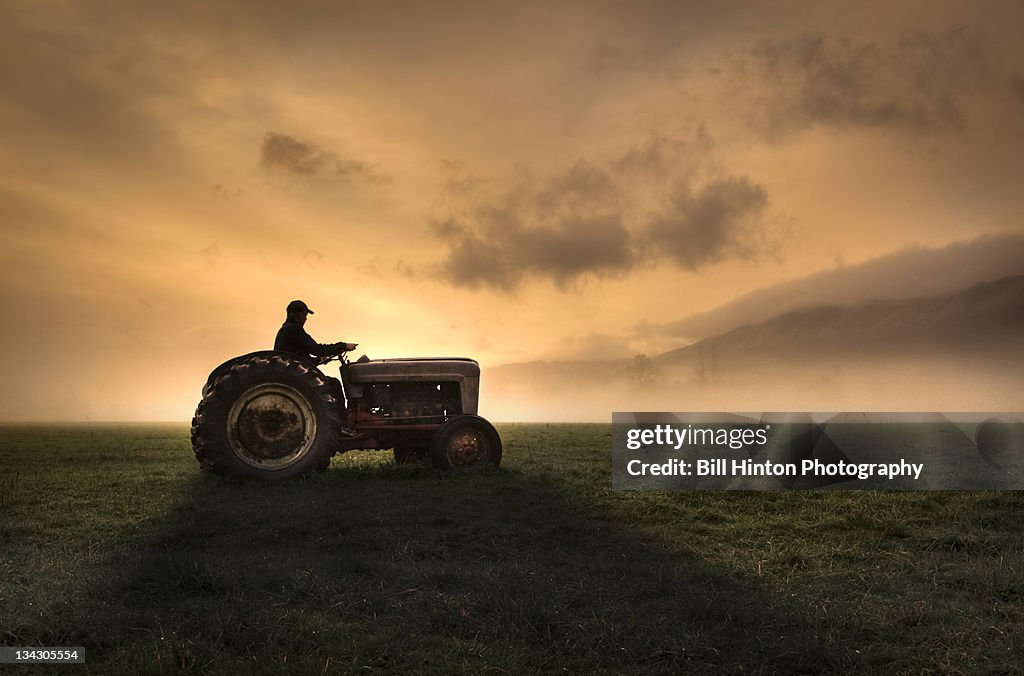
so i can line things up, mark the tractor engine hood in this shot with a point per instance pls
(464, 371)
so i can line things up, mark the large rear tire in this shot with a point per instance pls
(466, 441)
(267, 417)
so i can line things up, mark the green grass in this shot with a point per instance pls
(112, 539)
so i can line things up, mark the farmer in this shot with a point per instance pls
(291, 337)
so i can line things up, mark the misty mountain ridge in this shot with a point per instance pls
(985, 316)
(956, 351)
(984, 319)
(911, 272)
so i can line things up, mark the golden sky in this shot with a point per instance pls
(507, 181)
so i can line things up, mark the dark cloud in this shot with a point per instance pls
(506, 251)
(917, 82)
(284, 153)
(710, 224)
(908, 273)
(568, 227)
(594, 220)
(582, 186)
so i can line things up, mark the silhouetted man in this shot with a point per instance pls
(291, 337)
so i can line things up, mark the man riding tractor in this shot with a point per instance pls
(274, 414)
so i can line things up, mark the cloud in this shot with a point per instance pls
(287, 154)
(918, 82)
(660, 154)
(595, 219)
(705, 226)
(583, 185)
(506, 251)
(907, 273)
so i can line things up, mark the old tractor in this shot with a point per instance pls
(274, 415)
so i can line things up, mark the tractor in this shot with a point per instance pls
(274, 415)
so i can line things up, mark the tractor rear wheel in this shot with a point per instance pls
(267, 417)
(466, 441)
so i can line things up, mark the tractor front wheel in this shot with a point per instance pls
(466, 441)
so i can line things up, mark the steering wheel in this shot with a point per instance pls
(342, 357)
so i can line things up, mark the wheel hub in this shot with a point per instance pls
(467, 448)
(271, 426)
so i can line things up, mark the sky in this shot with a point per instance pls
(509, 181)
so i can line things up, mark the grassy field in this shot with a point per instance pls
(112, 539)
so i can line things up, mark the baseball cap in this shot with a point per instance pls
(298, 306)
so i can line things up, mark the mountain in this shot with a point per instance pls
(959, 351)
(987, 317)
(914, 272)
